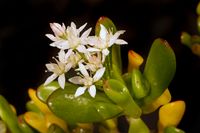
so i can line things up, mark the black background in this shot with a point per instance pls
(24, 49)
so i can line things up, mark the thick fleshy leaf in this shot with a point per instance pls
(115, 73)
(24, 126)
(31, 106)
(163, 99)
(55, 129)
(37, 121)
(83, 108)
(159, 69)
(42, 106)
(138, 126)
(172, 129)
(119, 94)
(2, 127)
(115, 51)
(171, 113)
(52, 119)
(8, 116)
(43, 92)
(186, 39)
(134, 60)
(140, 85)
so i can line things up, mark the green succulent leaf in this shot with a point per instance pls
(140, 86)
(159, 69)
(43, 92)
(138, 126)
(82, 109)
(119, 94)
(115, 56)
(8, 116)
(24, 126)
(186, 39)
(2, 127)
(30, 106)
(172, 129)
(55, 129)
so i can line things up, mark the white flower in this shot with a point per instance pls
(87, 80)
(105, 40)
(69, 38)
(58, 69)
(94, 61)
(75, 41)
(60, 35)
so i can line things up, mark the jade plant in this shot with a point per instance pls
(89, 89)
(193, 41)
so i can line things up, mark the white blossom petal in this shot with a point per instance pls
(86, 33)
(51, 37)
(83, 70)
(73, 26)
(52, 67)
(92, 91)
(56, 28)
(103, 32)
(69, 52)
(105, 51)
(80, 91)
(50, 79)
(63, 44)
(120, 41)
(99, 73)
(76, 80)
(68, 66)
(61, 56)
(61, 80)
(92, 40)
(81, 48)
(93, 50)
(115, 36)
(82, 27)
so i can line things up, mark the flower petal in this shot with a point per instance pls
(81, 48)
(52, 67)
(115, 36)
(92, 40)
(76, 80)
(93, 49)
(92, 91)
(69, 52)
(83, 70)
(120, 41)
(51, 37)
(61, 56)
(68, 66)
(63, 44)
(86, 33)
(103, 32)
(105, 51)
(80, 91)
(61, 80)
(56, 28)
(73, 26)
(99, 74)
(50, 79)
(82, 27)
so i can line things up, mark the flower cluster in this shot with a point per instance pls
(83, 53)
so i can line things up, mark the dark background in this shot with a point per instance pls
(24, 49)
